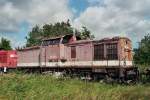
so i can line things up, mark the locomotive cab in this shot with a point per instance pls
(116, 56)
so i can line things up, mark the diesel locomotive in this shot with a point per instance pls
(93, 59)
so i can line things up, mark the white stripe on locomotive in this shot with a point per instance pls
(79, 63)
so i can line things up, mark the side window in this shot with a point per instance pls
(73, 52)
(126, 42)
(99, 52)
(112, 51)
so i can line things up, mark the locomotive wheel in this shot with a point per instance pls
(132, 77)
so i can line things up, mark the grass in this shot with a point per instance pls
(45, 87)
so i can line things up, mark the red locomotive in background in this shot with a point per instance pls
(96, 59)
(8, 59)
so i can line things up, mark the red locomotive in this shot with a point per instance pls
(8, 59)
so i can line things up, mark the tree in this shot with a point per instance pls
(58, 29)
(5, 44)
(86, 34)
(54, 30)
(34, 37)
(142, 53)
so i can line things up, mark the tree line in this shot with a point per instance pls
(142, 53)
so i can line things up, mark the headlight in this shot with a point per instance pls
(12, 56)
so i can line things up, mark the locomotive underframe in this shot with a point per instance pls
(118, 74)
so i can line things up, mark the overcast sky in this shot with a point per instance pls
(104, 18)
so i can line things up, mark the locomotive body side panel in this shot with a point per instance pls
(83, 52)
(28, 58)
(50, 54)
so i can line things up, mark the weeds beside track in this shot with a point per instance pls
(45, 87)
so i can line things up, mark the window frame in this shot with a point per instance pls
(73, 52)
(112, 51)
(99, 52)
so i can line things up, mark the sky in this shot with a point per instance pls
(104, 18)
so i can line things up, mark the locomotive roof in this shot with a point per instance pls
(112, 39)
(81, 41)
(29, 48)
(101, 40)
